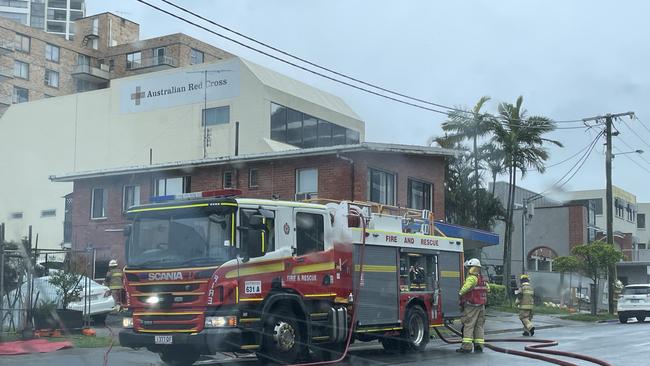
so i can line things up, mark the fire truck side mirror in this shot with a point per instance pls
(127, 230)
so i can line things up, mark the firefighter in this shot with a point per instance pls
(618, 288)
(473, 297)
(525, 301)
(114, 282)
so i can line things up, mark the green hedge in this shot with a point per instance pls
(497, 295)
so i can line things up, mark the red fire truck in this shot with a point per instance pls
(209, 272)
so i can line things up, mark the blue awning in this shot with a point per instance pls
(471, 237)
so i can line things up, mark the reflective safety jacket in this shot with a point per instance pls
(527, 297)
(474, 290)
(114, 279)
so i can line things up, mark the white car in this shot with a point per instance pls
(634, 303)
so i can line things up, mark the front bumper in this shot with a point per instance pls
(208, 340)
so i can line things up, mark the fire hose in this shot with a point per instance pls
(532, 350)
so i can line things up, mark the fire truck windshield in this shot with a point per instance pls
(193, 239)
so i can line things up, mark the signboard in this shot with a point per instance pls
(156, 91)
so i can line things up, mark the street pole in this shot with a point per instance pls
(523, 236)
(205, 107)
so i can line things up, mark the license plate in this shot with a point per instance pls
(635, 300)
(166, 339)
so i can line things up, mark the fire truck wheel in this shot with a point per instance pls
(282, 338)
(179, 356)
(416, 330)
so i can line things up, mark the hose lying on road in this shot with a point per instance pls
(531, 350)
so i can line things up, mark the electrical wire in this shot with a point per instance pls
(569, 158)
(641, 123)
(631, 148)
(634, 161)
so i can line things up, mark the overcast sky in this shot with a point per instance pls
(569, 60)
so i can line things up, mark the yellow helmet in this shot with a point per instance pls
(524, 277)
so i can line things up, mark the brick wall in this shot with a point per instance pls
(577, 225)
(278, 177)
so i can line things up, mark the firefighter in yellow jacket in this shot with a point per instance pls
(114, 282)
(525, 301)
(473, 297)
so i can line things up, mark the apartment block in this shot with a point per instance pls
(52, 16)
(35, 64)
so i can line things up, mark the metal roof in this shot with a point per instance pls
(187, 164)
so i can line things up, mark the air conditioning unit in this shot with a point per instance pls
(306, 196)
(104, 67)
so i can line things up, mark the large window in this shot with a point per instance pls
(159, 56)
(216, 116)
(21, 69)
(640, 221)
(83, 59)
(22, 43)
(419, 195)
(300, 129)
(169, 186)
(52, 52)
(196, 57)
(227, 179)
(307, 181)
(253, 241)
(310, 235)
(52, 78)
(381, 187)
(133, 60)
(21, 95)
(131, 197)
(98, 203)
(56, 26)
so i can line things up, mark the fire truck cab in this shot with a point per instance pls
(207, 273)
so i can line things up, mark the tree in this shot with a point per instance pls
(492, 158)
(520, 137)
(592, 260)
(68, 286)
(470, 125)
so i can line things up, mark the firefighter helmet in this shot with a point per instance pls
(112, 263)
(473, 263)
(524, 277)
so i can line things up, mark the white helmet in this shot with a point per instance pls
(112, 263)
(473, 263)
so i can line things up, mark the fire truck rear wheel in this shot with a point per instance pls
(179, 356)
(416, 329)
(283, 339)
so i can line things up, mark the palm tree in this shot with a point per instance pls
(520, 138)
(470, 125)
(493, 160)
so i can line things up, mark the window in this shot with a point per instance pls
(310, 235)
(16, 215)
(640, 221)
(55, 14)
(99, 201)
(37, 21)
(159, 56)
(278, 122)
(21, 95)
(419, 195)
(133, 60)
(196, 57)
(351, 137)
(76, 4)
(22, 43)
(324, 133)
(294, 127)
(130, 197)
(254, 242)
(170, 186)
(56, 27)
(16, 17)
(83, 59)
(216, 116)
(227, 179)
(48, 213)
(94, 43)
(381, 187)
(111, 65)
(309, 131)
(58, 4)
(307, 181)
(338, 135)
(52, 78)
(252, 178)
(21, 69)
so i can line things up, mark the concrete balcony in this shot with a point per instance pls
(6, 73)
(91, 73)
(159, 62)
(6, 46)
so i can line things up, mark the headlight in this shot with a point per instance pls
(127, 323)
(220, 321)
(152, 300)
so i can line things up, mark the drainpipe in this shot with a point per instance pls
(351, 173)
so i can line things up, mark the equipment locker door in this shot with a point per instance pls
(379, 297)
(449, 265)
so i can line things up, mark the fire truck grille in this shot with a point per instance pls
(153, 318)
(168, 326)
(172, 287)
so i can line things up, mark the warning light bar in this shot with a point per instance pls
(219, 193)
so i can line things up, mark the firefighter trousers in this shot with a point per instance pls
(526, 317)
(473, 321)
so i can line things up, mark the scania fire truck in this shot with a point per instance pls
(212, 272)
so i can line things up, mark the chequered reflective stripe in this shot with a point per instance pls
(479, 341)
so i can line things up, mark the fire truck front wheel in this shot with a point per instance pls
(416, 330)
(282, 340)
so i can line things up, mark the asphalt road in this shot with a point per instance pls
(618, 344)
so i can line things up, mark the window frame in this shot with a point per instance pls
(48, 80)
(104, 203)
(21, 64)
(369, 185)
(409, 185)
(14, 94)
(322, 245)
(223, 179)
(186, 184)
(52, 47)
(640, 221)
(136, 194)
(48, 213)
(130, 63)
(250, 178)
(204, 116)
(298, 191)
(20, 39)
(194, 51)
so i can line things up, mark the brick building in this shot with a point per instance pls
(35, 64)
(399, 175)
(53, 16)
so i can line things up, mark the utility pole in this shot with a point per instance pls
(611, 273)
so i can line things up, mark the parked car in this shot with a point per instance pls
(634, 302)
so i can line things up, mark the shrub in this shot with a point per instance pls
(497, 295)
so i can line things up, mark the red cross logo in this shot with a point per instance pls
(138, 95)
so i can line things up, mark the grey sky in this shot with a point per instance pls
(569, 59)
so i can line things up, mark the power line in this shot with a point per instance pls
(631, 148)
(311, 63)
(634, 133)
(570, 157)
(634, 161)
(641, 123)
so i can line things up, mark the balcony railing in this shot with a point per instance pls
(91, 73)
(151, 62)
(641, 255)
